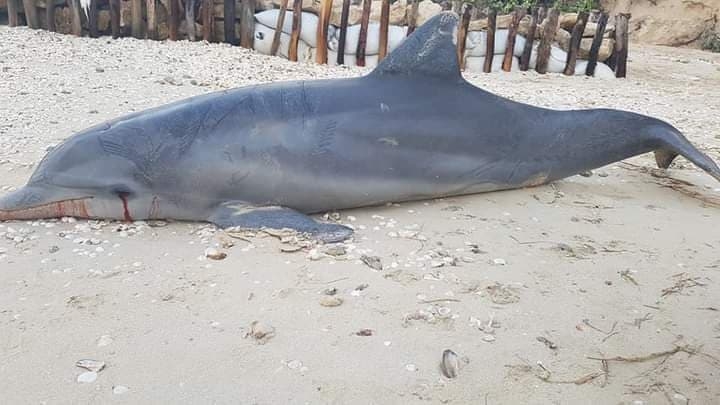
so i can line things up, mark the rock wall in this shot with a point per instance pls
(668, 22)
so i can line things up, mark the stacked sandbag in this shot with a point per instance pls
(475, 45)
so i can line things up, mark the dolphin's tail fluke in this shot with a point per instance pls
(27, 203)
(674, 144)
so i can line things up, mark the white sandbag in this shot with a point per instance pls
(263, 42)
(308, 24)
(603, 71)
(476, 43)
(350, 59)
(475, 64)
(396, 35)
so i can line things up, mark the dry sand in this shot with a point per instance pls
(616, 264)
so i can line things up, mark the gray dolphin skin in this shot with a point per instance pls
(266, 156)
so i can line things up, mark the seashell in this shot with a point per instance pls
(450, 364)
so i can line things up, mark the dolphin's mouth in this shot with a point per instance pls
(75, 207)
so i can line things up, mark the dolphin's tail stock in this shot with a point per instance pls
(674, 144)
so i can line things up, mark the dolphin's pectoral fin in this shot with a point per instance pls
(664, 157)
(241, 216)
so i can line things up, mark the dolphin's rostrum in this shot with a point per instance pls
(267, 155)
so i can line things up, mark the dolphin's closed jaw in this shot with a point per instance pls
(25, 204)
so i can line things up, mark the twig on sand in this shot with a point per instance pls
(638, 359)
(439, 300)
(682, 186)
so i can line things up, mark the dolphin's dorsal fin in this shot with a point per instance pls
(428, 51)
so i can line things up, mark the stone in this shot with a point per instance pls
(426, 10)
(398, 10)
(502, 21)
(567, 21)
(666, 22)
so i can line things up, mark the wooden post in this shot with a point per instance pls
(208, 11)
(362, 40)
(229, 21)
(49, 14)
(12, 7)
(278, 28)
(384, 23)
(115, 18)
(462, 35)
(575, 39)
(343, 31)
(152, 25)
(247, 24)
(490, 49)
(621, 43)
(75, 10)
(597, 42)
(518, 15)
(92, 18)
(546, 38)
(173, 19)
(321, 55)
(296, 27)
(412, 16)
(190, 19)
(542, 13)
(137, 18)
(527, 50)
(31, 14)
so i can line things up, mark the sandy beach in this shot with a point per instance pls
(530, 288)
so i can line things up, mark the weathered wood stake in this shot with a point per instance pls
(296, 27)
(412, 16)
(278, 28)
(49, 14)
(575, 39)
(462, 35)
(547, 36)
(362, 40)
(597, 42)
(190, 19)
(321, 54)
(152, 25)
(542, 13)
(31, 14)
(208, 11)
(92, 18)
(490, 49)
(529, 40)
(344, 16)
(384, 23)
(115, 18)
(621, 43)
(518, 14)
(12, 7)
(247, 24)
(137, 18)
(76, 26)
(229, 21)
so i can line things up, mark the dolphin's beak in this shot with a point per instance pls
(28, 203)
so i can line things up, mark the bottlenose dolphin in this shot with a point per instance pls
(268, 155)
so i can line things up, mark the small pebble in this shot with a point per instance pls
(499, 262)
(411, 367)
(87, 377)
(120, 389)
(331, 301)
(214, 254)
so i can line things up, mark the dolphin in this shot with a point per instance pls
(267, 156)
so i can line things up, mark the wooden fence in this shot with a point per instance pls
(144, 24)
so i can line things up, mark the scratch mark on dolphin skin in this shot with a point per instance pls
(154, 208)
(237, 177)
(326, 138)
